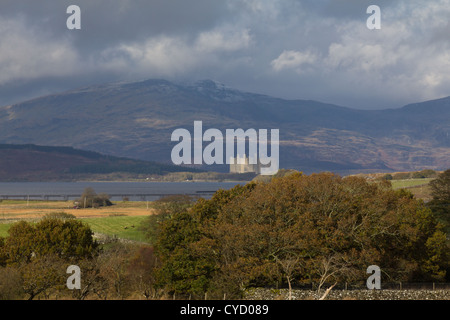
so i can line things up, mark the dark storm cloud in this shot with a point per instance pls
(316, 49)
(41, 25)
(105, 22)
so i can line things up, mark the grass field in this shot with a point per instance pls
(123, 227)
(397, 184)
(4, 229)
(420, 188)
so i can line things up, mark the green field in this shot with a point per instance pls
(407, 183)
(4, 229)
(123, 227)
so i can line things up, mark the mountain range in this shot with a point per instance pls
(136, 120)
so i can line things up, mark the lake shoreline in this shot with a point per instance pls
(117, 190)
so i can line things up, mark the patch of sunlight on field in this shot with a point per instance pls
(398, 184)
(124, 227)
(4, 227)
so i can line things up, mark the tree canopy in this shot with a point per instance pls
(440, 191)
(37, 254)
(303, 229)
(67, 239)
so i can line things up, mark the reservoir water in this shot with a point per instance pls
(134, 191)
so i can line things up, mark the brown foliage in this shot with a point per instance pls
(318, 228)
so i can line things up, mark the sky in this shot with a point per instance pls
(294, 49)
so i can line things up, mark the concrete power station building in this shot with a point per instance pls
(242, 164)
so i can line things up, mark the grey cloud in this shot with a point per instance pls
(106, 22)
(310, 49)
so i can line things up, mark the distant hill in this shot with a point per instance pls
(43, 163)
(136, 120)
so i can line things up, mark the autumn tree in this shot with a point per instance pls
(164, 209)
(128, 270)
(185, 251)
(11, 284)
(3, 256)
(441, 186)
(42, 274)
(42, 251)
(70, 240)
(92, 281)
(440, 191)
(183, 270)
(141, 268)
(303, 229)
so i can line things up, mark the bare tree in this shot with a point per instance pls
(327, 292)
(288, 264)
(330, 267)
